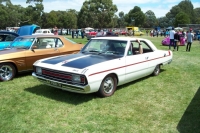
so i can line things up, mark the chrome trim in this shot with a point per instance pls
(63, 86)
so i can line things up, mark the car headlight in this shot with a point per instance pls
(38, 70)
(76, 78)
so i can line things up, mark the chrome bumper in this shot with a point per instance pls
(63, 86)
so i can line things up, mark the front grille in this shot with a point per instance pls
(61, 76)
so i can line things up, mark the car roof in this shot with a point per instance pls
(120, 38)
(40, 35)
(8, 33)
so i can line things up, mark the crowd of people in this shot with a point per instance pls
(175, 36)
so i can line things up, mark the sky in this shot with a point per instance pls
(159, 7)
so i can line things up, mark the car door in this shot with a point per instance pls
(136, 64)
(44, 47)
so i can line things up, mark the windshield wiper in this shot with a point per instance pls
(93, 51)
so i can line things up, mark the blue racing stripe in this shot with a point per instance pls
(59, 59)
(89, 60)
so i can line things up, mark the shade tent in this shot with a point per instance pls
(178, 28)
(169, 28)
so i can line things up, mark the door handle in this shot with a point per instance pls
(146, 58)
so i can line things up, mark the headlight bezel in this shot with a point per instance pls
(38, 70)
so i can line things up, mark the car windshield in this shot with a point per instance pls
(21, 42)
(38, 31)
(105, 46)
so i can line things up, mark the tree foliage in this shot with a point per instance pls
(135, 17)
(97, 13)
(150, 19)
(184, 6)
(94, 13)
(181, 18)
(197, 15)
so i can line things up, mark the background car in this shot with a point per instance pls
(166, 41)
(6, 38)
(25, 50)
(103, 64)
(43, 31)
(197, 34)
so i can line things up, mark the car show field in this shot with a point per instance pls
(165, 103)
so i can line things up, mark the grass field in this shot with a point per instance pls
(167, 103)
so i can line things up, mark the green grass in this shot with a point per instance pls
(167, 103)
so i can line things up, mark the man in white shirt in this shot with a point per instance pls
(190, 37)
(171, 36)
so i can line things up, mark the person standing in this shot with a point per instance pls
(147, 32)
(171, 37)
(76, 33)
(55, 30)
(82, 33)
(177, 40)
(72, 33)
(190, 36)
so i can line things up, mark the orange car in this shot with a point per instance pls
(25, 50)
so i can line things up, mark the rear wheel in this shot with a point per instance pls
(156, 70)
(108, 86)
(7, 71)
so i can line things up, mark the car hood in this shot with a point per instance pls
(11, 53)
(77, 63)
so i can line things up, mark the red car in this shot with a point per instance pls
(91, 34)
(123, 32)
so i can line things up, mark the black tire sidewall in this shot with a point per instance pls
(155, 72)
(13, 72)
(101, 92)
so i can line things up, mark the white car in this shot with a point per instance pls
(43, 31)
(103, 64)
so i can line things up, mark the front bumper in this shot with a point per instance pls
(63, 86)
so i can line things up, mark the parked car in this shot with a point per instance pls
(103, 64)
(25, 50)
(64, 32)
(166, 41)
(6, 38)
(106, 34)
(197, 34)
(91, 34)
(43, 31)
(27, 29)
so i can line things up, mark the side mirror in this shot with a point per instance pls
(34, 47)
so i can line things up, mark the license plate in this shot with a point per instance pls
(52, 83)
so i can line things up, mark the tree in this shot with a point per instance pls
(181, 18)
(163, 22)
(150, 19)
(34, 11)
(197, 15)
(136, 17)
(121, 19)
(187, 7)
(96, 13)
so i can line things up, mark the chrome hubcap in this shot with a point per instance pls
(6, 72)
(108, 85)
(157, 69)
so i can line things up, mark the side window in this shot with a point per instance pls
(59, 43)
(45, 43)
(145, 46)
(130, 50)
(10, 38)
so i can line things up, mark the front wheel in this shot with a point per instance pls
(7, 71)
(156, 70)
(108, 86)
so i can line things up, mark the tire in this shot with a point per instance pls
(108, 86)
(156, 70)
(7, 71)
